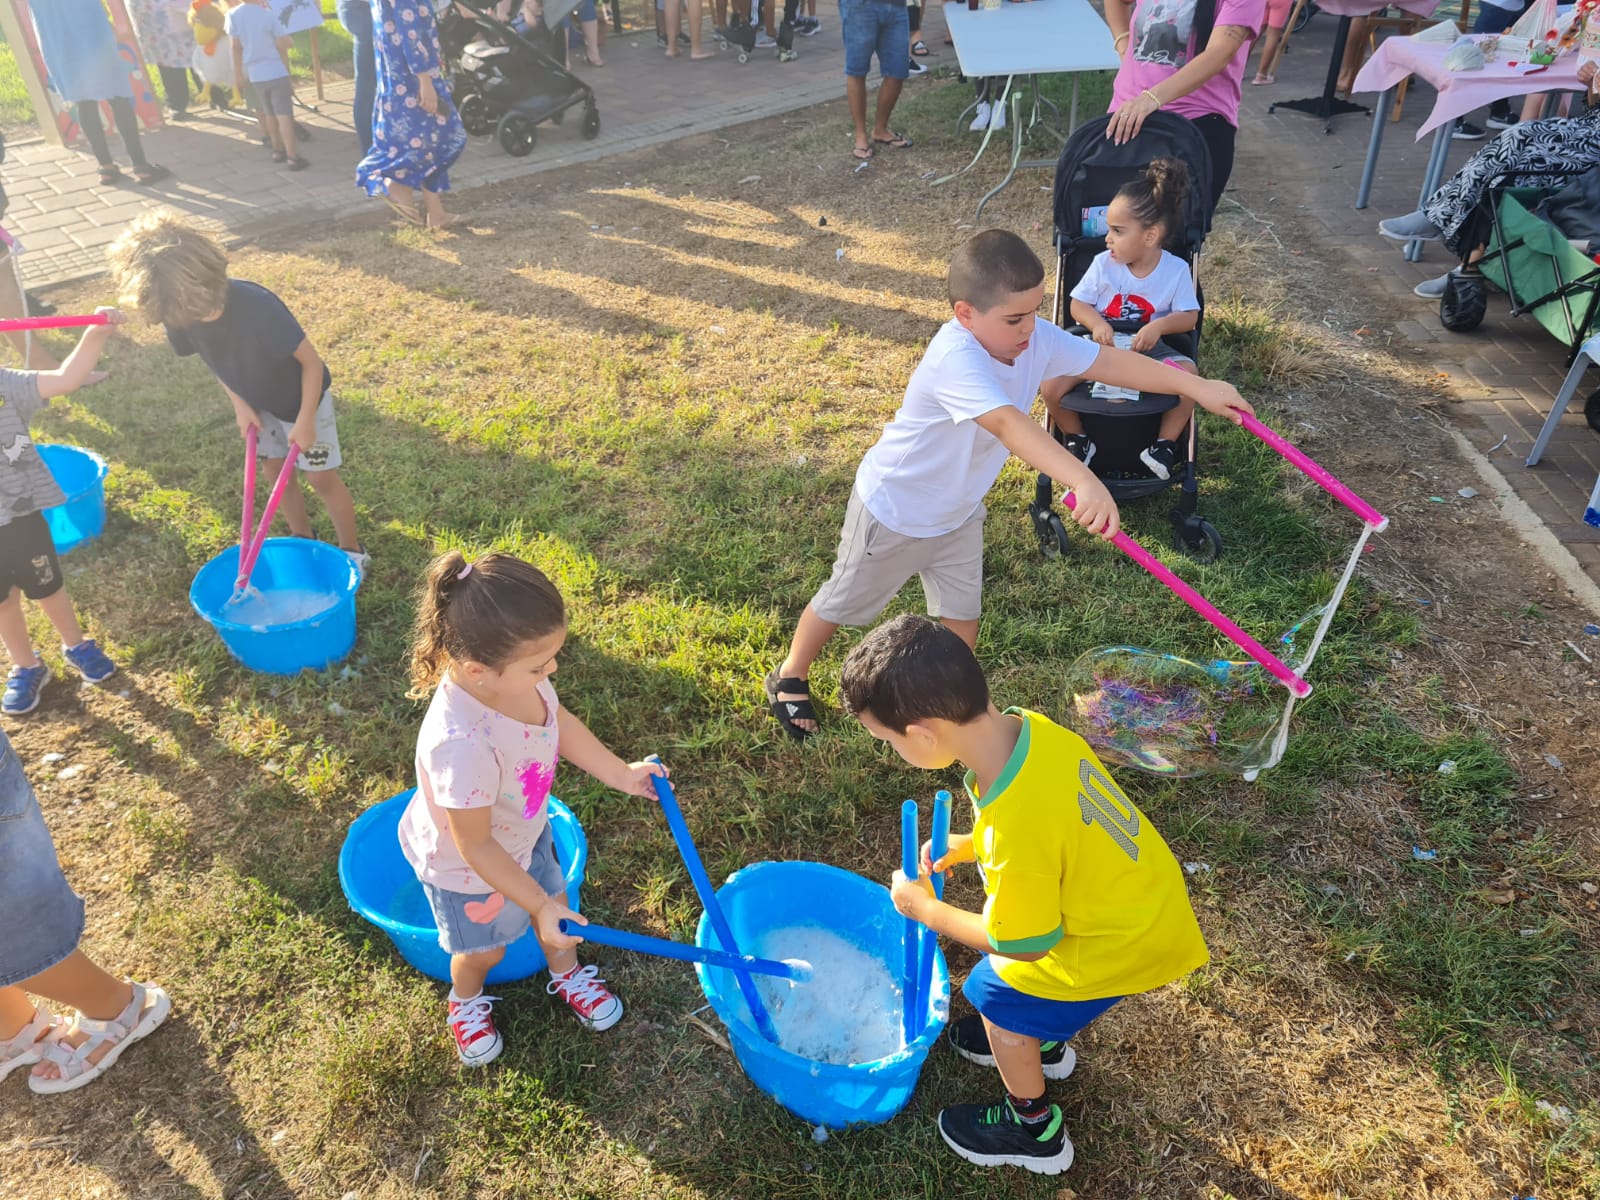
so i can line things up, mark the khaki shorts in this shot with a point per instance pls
(875, 562)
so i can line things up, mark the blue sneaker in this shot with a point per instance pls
(90, 660)
(23, 688)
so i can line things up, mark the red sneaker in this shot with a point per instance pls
(586, 994)
(478, 1042)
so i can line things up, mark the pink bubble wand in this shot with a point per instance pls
(249, 553)
(1318, 474)
(21, 324)
(1271, 662)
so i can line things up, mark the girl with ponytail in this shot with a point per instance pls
(1133, 295)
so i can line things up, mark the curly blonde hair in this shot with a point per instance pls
(168, 271)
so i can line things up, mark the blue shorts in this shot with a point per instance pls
(43, 916)
(1031, 1016)
(473, 923)
(880, 26)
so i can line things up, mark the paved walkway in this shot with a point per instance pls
(65, 218)
(1504, 375)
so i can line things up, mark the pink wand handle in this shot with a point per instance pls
(247, 517)
(247, 559)
(1206, 609)
(19, 324)
(1318, 474)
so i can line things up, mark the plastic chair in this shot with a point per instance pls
(1588, 353)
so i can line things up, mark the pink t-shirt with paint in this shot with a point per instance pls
(470, 756)
(1161, 36)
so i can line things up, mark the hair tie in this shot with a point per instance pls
(464, 572)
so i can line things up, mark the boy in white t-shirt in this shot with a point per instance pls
(1131, 296)
(917, 506)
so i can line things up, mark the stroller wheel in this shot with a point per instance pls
(744, 57)
(1591, 411)
(1199, 539)
(591, 123)
(475, 116)
(1050, 530)
(518, 135)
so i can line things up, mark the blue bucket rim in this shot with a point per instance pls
(101, 468)
(352, 585)
(841, 1072)
(560, 815)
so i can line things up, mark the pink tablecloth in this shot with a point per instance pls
(1460, 92)
(1365, 8)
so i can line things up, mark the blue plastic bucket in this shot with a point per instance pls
(81, 475)
(776, 895)
(298, 564)
(380, 885)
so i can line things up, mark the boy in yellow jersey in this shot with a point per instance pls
(1085, 903)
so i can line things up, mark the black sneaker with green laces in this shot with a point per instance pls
(970, 1039)
(993, 1135)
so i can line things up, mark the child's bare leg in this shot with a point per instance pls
(1017, 1059)
(468, 971)
(341, 506)
(14, 631)
(967, 631)
(562, 959)
(433, 206)
(1053, 390)
(285, 138)
(811, 634)
(58, 608)
(16, 1010)
(292, 508)
(1176, 420)
(269, 127)
(78, 981)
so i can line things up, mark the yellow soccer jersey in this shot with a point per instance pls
(1070, 866)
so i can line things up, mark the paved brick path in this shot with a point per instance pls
(1504, 375)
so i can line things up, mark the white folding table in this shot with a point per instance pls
(1043, 37)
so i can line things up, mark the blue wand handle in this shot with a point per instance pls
(908, 864)
(939, 845)
(708, 899)
(641, 943)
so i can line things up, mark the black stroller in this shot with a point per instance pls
(1088, 173)
(506, 81)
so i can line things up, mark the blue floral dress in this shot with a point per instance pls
(408, 146)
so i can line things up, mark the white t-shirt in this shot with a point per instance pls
(1119, 295)
(933, 464)
(470, 756)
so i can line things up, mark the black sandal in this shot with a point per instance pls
(787, 712)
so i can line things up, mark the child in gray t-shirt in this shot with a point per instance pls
(28, 563)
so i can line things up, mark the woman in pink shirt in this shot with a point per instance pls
(1188, 57)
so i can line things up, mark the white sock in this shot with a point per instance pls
(455, 999)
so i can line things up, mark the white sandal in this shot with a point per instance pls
(147, 1009)
(28, 1046)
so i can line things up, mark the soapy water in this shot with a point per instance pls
(1171, 716)
(280, 606)
(849, 1013)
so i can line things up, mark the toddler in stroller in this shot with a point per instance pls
(1129, 219)
(1133, 295)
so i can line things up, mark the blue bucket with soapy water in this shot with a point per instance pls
(791, 896)
(81, 475)
(300, 612)
(380, 885)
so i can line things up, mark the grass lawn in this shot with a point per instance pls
(654, 378)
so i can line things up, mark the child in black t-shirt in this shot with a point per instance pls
(178, 277)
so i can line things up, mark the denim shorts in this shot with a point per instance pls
(1031, 1016)
(43, 916)
(880, 26)
(473, 923)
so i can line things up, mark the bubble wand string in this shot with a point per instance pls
(1273, 665)
(938, 847)
(796, 969)
(908, 864)
(708, 900)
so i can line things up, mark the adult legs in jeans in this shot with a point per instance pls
(356, 17)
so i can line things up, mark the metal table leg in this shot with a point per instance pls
(1370, 168)
(1431, 177)
(983, 145)
(1016, 153)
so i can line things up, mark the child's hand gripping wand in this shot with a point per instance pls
(938, 847)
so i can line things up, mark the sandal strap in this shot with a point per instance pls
(73, 1061)
(791, 684)
(28, 1037)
